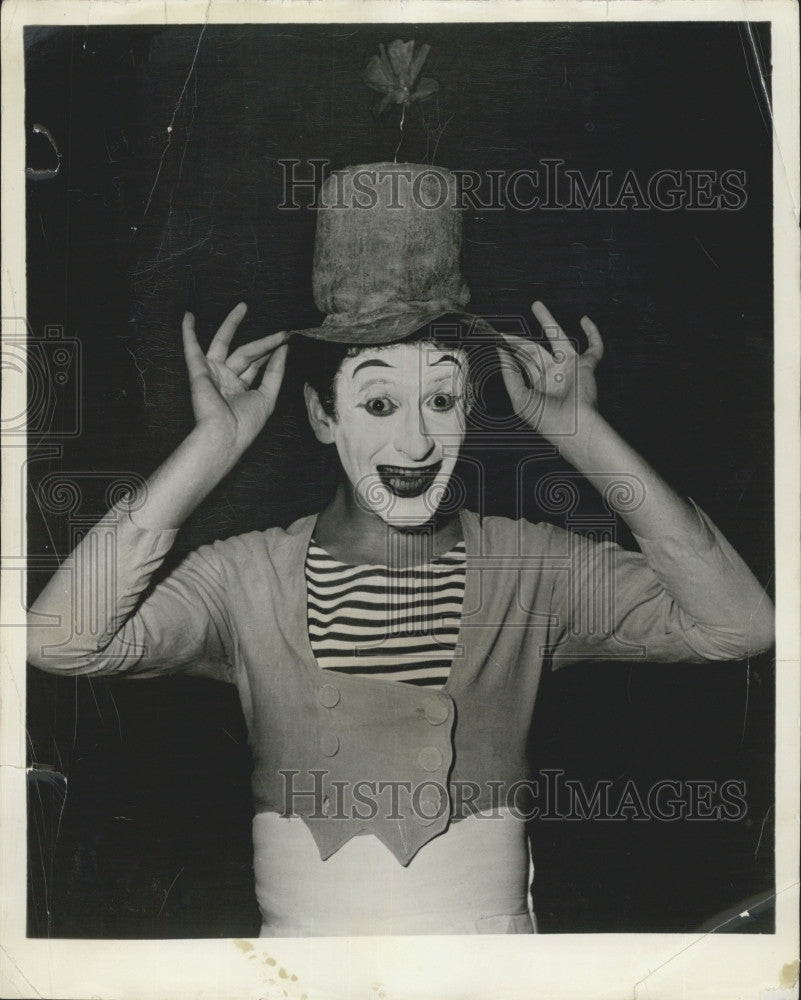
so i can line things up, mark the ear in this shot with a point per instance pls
(318, 418)
(469, 392)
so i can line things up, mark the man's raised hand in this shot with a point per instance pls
(223, 398)
(548, 389)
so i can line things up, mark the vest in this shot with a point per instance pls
(356, 755)
(362, 755)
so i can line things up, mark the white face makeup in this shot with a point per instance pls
(400, 422)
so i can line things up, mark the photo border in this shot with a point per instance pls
(508, 967)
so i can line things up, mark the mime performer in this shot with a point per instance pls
(387, 650)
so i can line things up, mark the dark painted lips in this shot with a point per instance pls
(406, 482)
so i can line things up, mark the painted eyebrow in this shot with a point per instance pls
(373, 362)
(447, 357)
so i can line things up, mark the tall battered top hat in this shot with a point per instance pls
(386, 254)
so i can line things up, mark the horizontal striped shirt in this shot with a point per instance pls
(378, 621)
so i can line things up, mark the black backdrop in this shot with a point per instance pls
(141, 223)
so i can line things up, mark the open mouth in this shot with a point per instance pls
(406, 482)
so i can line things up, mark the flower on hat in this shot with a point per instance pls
(394, 72)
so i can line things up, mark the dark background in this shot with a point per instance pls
(152, 838)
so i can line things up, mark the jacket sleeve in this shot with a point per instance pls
(688, 598)
(93, 617)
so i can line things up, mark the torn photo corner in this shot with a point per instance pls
(464, 340)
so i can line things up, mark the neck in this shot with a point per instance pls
(354, 535)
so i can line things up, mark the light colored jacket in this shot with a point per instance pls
(236, 611)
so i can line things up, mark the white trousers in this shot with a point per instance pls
(472, 879)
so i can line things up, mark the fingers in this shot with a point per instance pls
(554, 332)
(218, 349)
(244, 362)
(528, 359)
(595, 345)
(559, 342)
(514, 376)
(256, 352)
(261, 350)
(273, 374)
(252, 370)
(195, 358)
(523, 380)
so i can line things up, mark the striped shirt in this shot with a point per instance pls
(377, 621)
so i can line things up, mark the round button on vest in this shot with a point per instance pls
(436, 711)
(328, 695)
(430, 806)
(430, 759)
(329, 744)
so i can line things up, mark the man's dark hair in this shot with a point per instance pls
(322, 359)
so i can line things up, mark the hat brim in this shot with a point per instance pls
(390, 326)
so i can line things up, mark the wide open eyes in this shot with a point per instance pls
(442, 401)
(379, 406)
(383, 406)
